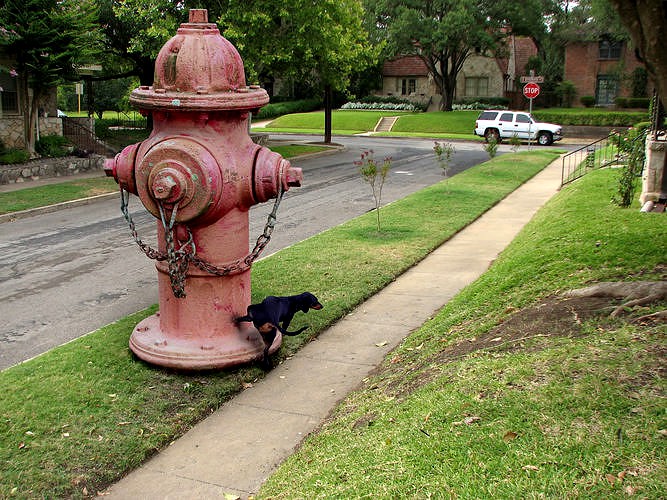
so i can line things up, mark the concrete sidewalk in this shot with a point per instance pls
(235, 450)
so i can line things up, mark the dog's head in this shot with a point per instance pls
(308, 301)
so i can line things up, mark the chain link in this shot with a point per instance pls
(179, 259)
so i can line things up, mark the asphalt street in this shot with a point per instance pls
(70, 272)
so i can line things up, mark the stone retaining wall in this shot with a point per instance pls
(49, 167)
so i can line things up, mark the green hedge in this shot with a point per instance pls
(600, 119)
(274, 110)
(632, 102)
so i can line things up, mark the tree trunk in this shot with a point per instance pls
(327, 113)
(646, 21)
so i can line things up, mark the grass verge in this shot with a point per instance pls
(75, 419)
(512, 391)
(68, 190)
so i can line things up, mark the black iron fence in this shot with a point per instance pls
(598, 154)
(79, 132)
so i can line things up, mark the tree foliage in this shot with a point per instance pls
(46, 39)
(443, 33)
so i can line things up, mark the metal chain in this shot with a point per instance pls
(179, 259)
(151, 253)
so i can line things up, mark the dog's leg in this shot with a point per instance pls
(268, 338)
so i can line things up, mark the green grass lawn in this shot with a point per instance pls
(496, 396)
(68, 190)
(86, 412)
(458, 124)
(342, 121)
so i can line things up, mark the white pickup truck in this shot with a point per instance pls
(498, 125)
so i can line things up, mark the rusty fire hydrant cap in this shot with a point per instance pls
(199, 70)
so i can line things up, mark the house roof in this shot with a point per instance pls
(524, 48)
(411, 65)
(405, 66)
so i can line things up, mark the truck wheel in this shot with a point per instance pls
(492, 134)
(545, 138)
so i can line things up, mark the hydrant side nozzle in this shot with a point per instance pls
(292, 176)
(121, 168)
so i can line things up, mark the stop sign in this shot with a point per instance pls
(531, 90)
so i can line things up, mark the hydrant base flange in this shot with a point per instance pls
(152, 345)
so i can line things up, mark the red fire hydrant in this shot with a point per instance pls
(199, 173)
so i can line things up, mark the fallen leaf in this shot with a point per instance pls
(530, 467)
(29, 433)
(419, 347)
(470, 420)
(232, 496)
(65, 434)
(21, 445)
(663, 432)
(621, 475)
(381, 344)
(630, 490)
(247, 385)
(611, 478)
(395, 359)
(497, 339)
(85, 491)
(509, 436)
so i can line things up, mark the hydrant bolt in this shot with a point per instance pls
(165, 188)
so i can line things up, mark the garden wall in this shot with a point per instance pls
(49, 167)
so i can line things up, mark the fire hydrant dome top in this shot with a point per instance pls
(198, 69)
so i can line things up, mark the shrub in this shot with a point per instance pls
(587, 100)
(386, 106)
(276, 109)
(566, 91)
(631, 144)
(53, 146)
(638, 102)
(597, 118)
(102, 129)
(14, 155)
(482, 103)
(621, 102)
(381, 102)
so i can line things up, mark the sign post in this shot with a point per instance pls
(531, 90)
(78, 88)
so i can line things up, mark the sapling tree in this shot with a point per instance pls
(444, 152)
(375, 175)
(491, 148)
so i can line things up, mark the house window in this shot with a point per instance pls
(610, 50)
(406, 86)
(8, 95)
(606, 90)
(477, 86)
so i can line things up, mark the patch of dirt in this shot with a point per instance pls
(555, 316)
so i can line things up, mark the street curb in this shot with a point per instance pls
(24, 214)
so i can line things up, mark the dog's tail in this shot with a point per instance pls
(285, 332)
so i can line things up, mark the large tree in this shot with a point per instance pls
(47, 39)
(443, 33)
(299, 40)
(646, 20)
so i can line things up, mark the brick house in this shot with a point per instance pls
(481, 76)
(601, 69)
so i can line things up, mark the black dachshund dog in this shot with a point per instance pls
(275, 314)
